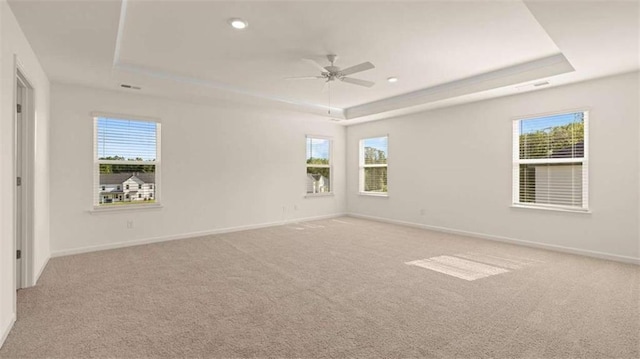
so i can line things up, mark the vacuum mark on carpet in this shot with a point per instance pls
(494, 260)
(339, 221)
(303, 226)
(457, 267)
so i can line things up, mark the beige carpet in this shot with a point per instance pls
(329, 289)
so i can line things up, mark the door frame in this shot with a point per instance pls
(27, 141)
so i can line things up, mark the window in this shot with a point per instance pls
(139, 186)
(125, 151)
(550, 161)
(374, 154)
(318, 165)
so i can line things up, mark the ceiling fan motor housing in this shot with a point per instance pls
(333, 71)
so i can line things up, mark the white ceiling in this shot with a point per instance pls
(442, 52)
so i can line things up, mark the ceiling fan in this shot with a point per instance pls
(331, 73)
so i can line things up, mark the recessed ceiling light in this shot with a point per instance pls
(392, 79)
(238, 23)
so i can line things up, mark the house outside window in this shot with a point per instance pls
(318, 162)
(550, 161)
(126, 156)
(374, 154)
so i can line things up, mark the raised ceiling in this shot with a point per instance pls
(442, 52)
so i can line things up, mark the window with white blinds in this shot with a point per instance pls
(126, 162)
(550, 161)
(318, 178)
(374, 153)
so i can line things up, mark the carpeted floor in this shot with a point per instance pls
(329, 289)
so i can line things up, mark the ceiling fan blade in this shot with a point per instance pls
(357, 68)
(317, 65)
(358, 82)
(303, 78)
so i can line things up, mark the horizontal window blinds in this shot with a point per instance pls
(550, 161)
(126, 140)
(127, 162)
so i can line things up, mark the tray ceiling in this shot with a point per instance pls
(441, 52)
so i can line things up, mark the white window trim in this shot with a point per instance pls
(96, 165)
(120, 209)
(550, 207)
(517, 162)
(319, 195)
(362, 166)
(329, 166)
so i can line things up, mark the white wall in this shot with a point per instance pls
(242, 166)
(456, 164)
(13, 42)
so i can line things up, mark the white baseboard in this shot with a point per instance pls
(39, 273)
(553, 247)
(137, 242)
(6, 328)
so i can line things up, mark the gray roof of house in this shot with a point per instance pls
(119, 178)
(575, 151)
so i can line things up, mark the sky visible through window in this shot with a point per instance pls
(379, 143)
(546, 123)
(317, 148)
(126, 138)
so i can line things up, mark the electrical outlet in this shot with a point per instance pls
(129, 224)
(295, 207)
(422, 212)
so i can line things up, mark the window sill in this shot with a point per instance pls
(553, 209)
(315, 195)
(126, 208)
(374, 194)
